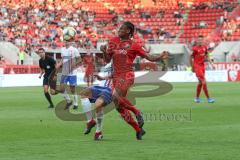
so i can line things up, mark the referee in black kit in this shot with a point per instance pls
(47, 65)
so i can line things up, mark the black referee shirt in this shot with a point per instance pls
(48, 65)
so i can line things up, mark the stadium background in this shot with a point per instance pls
(172, 26)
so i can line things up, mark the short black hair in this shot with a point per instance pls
(41, 49)
(130, 26)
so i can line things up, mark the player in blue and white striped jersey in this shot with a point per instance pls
(100, 95)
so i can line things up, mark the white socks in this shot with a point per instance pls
(87, 107)
(66, 96)
(99, 121)
(75, 100)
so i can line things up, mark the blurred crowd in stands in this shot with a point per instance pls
(41, 23)
(33, 23)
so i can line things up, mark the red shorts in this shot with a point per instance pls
(122, 82)
(89, 72)
(200, 72)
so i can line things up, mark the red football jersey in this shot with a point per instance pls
(88, 60)
(199, 54)
(123, 54)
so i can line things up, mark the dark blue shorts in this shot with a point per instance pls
(99, 91)
(71, 79)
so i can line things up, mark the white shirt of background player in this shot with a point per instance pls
(107, 72)
(69, 56)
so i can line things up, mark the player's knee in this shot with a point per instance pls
(203, 82)
(199, 82)
(116, 102)
(45, 89)
(99, 102)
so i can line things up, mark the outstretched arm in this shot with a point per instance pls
(154, 58)
(147, 50)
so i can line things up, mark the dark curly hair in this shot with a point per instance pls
(130, 26)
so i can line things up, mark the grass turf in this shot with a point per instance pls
(176, 128)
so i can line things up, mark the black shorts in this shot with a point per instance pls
(45, 81)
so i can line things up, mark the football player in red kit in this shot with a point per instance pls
(122, 50)
(89, 62)
(197, 59)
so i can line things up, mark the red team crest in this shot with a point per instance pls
(125, 45)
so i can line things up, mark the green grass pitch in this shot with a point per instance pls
(31, 131)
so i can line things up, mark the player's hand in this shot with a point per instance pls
(165, 55)
(40, 76)
(103, 48)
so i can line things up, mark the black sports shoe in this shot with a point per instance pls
(51, 106)
(140, 134)
(75, 107)
(68, 105)
(140, 120)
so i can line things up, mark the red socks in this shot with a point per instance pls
(205, 89)
(199, 88)
(124, 102)
(126, 115)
